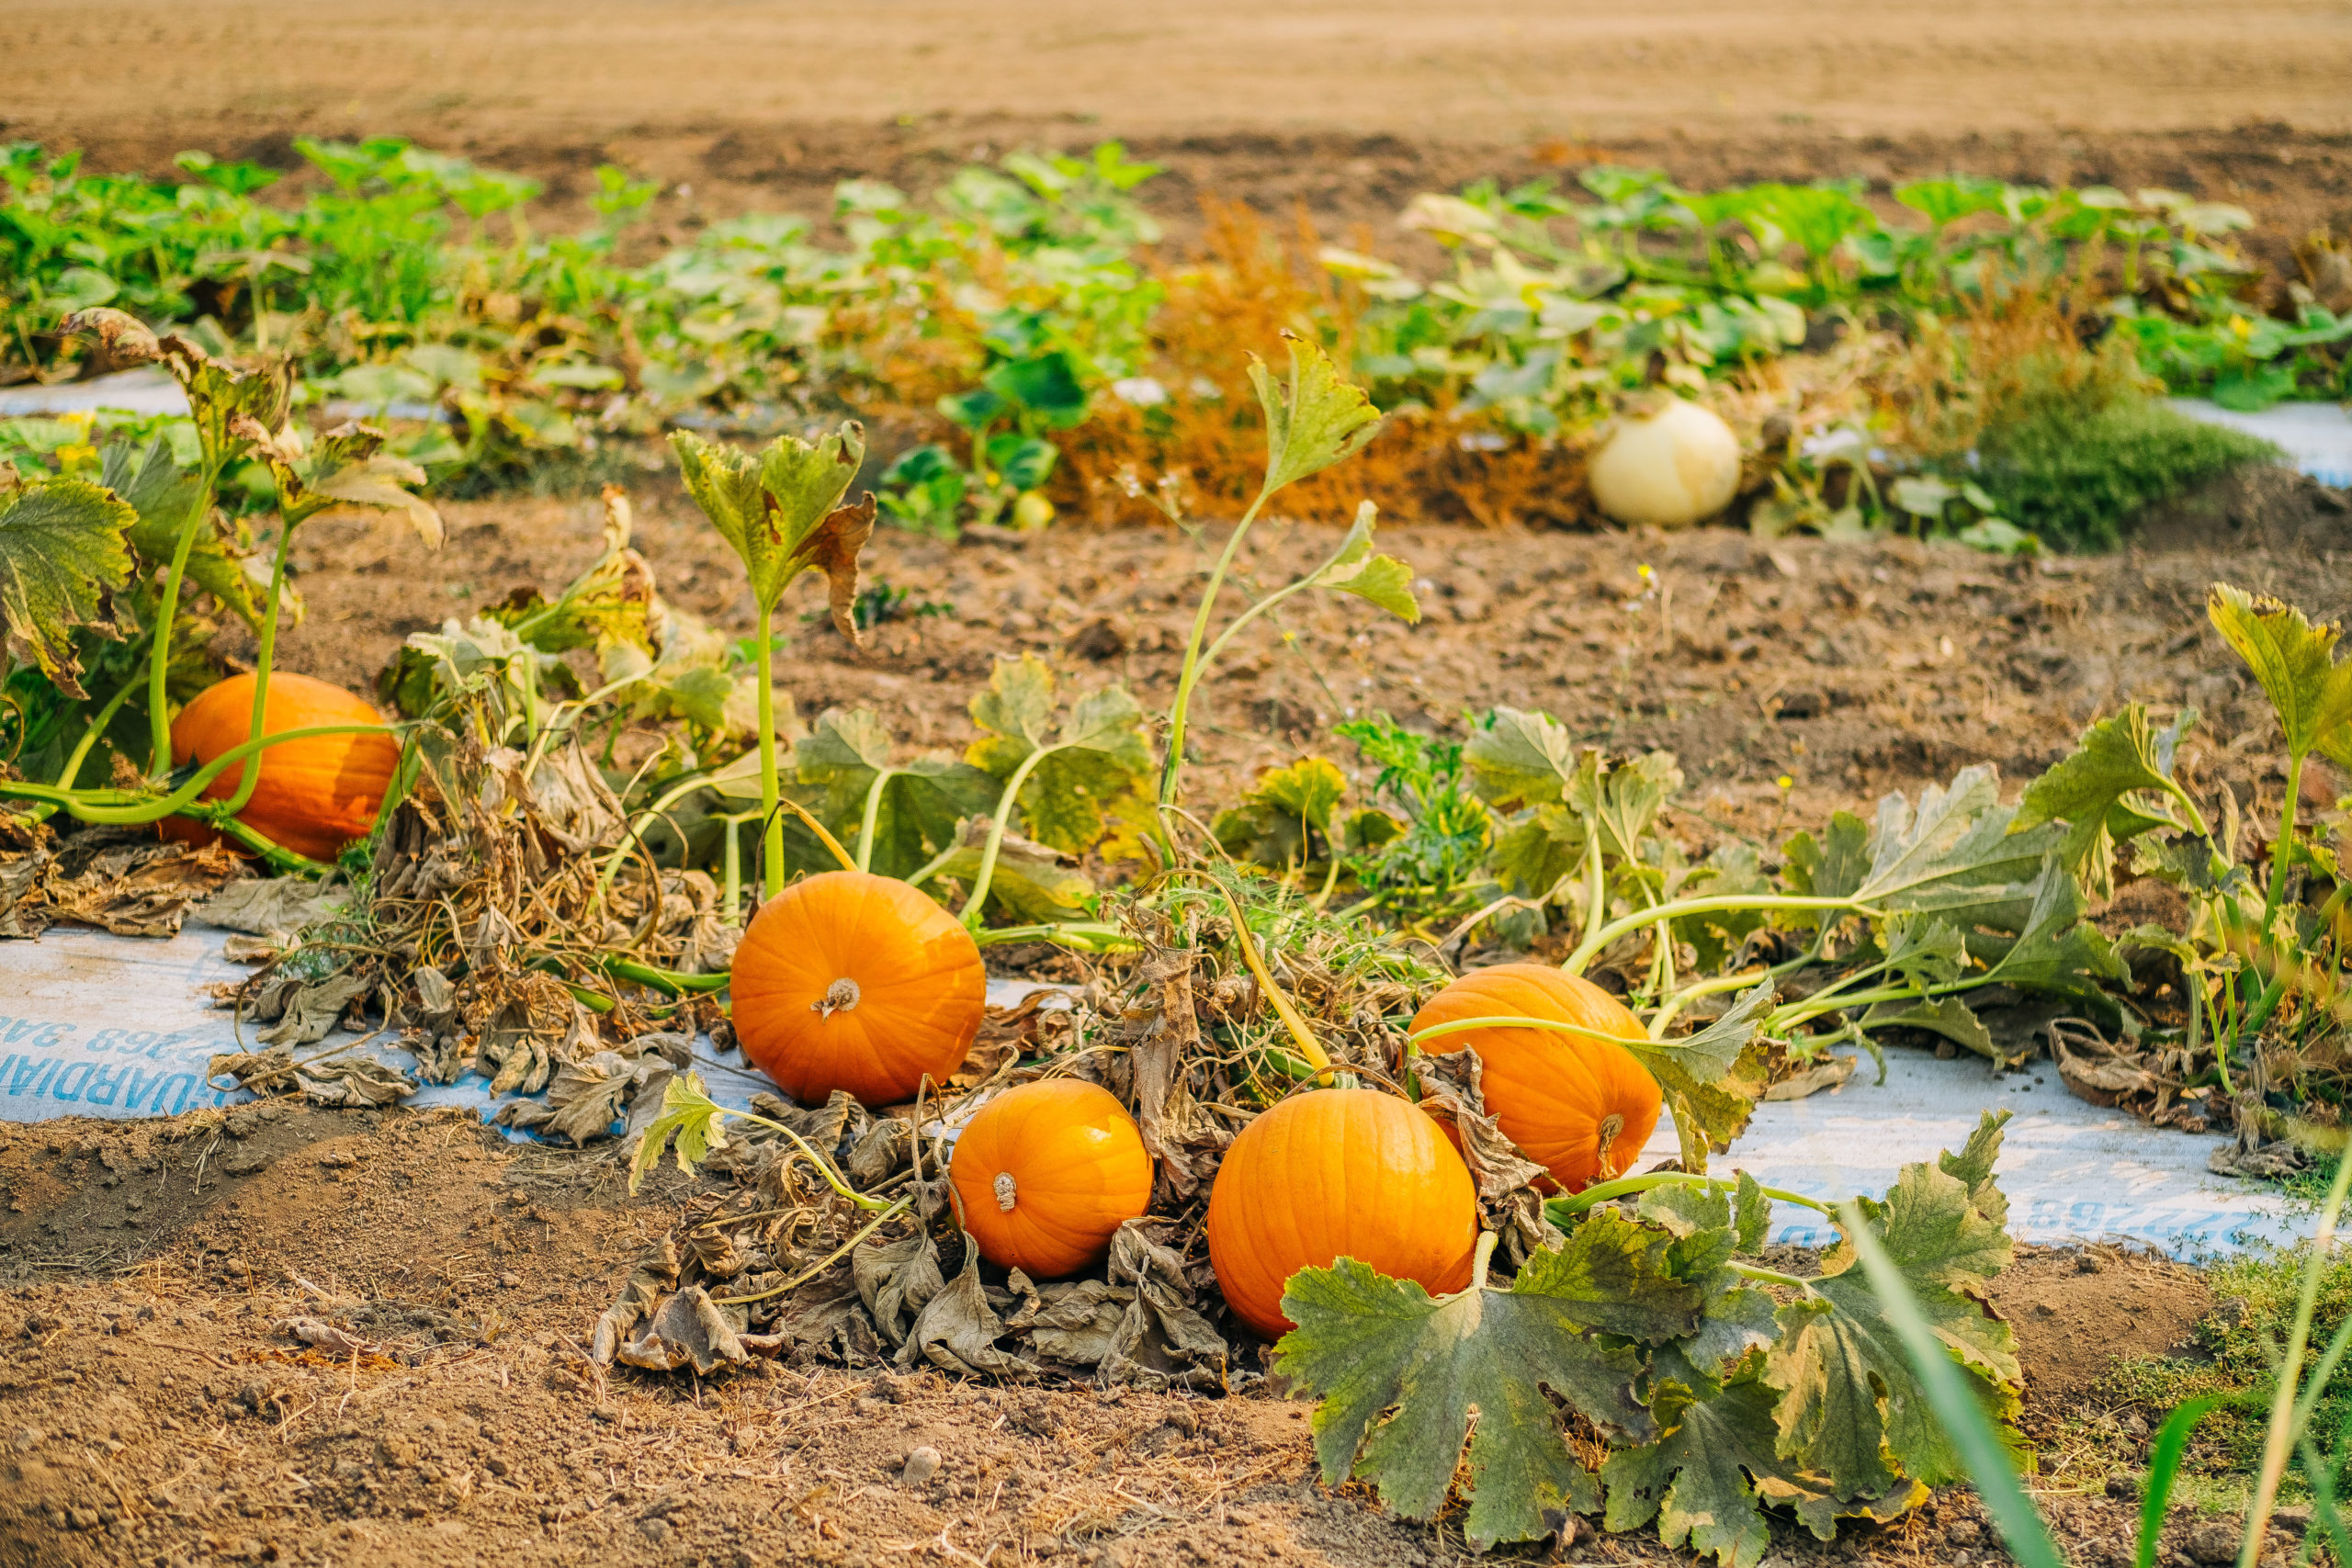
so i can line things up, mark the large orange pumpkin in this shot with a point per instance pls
(1337, 1173)
(856, 982)
(1047, 1172)
(315, 796)
(1581, 1107)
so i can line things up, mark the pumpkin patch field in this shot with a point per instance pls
(1260, 794)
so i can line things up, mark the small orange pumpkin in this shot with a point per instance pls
(1581, 1107)
(1337, 1173)
(1047, 1172)
(856, 982)
(315, 796)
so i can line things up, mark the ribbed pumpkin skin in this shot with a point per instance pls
(919, 991)
(1079, 1172)
(315, 795)
(1337, 1173)
(1552, 1093)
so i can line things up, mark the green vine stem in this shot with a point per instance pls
(1602, 935)
(265, 649)
(159, 656)
(876, 1224)
(733, 902)
(1193, 662)
(1626, 1186)
(132, 807)
(644, 819)
(871, 820)
(2282, 852)
(1769, 1276)
(1086, 936)
(771, 792)
(80, 752)
(1006, 804)
(1479, 1261)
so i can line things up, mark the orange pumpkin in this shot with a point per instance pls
(315, 796)
(1337, 1173)
(1581, 1107)
(1047, 1172)
(856, 982)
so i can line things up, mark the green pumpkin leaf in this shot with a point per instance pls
(162, 491)
(2294, 660)
(779, 509)
(921, 802)
(691, 1117)
(1400, 1371)
(1383, 580)
(1852, 1407)
(1711, 1080)
(61, 553)
(1030, 882)
(1531, 854)
(1947, 1016)
(1270, 825)
(2057, 951)
(1313, 420)
(1096, 763)
(1695, 1482)
(2116, 758)
(1527, 759)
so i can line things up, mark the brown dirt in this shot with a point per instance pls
(155, 1411)
(1850, 670)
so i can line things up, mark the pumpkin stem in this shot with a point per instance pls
(839, 997)
(1006, 1195)
(1610, 1125)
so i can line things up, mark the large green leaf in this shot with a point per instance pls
(1526, 759)
(1735, 1317)
(61, 553)
(2294, 660)
(2085, 790)
(162, 491)
(1711, 1078)
(1399, 1374)
(779, 508)
(2057, 951)
(1313, 420)
(921, 802)
(1695, 1481)
(1030, 882)
(1096, 762)
(1852, 1408)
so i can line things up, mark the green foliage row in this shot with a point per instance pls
(1018, 302)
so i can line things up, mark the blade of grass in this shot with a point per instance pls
(2277, 1443)
(2163, 1470)
(1988, 1463)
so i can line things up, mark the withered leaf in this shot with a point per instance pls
(958, 1330)
(686, 1329)
(896, 1280)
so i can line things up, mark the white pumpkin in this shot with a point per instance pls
(1669, 464)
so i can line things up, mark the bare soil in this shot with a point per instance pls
(155, 1409)
(1850, 670)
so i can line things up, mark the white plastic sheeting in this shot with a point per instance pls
(96, 1025)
